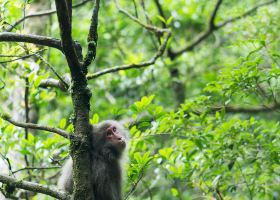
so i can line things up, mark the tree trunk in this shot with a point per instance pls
(80, 150)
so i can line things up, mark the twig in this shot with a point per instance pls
(35, 187)
(135, 9)
(58, 131)
(35, 168)
(146, 26)
(136, 65)
(29, 38)
(140, 176)
(254, 110)
(54, 71)
(40, 14)
(161, 12)
(26, 105)
(246, 182)
(3, 84)
(249, 12)
(20, 57)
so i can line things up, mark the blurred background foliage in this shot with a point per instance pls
(205, 122)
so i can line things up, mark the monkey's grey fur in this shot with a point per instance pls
(106, 169)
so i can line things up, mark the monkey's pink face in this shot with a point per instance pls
(113, 135)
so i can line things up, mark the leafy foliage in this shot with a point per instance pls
(222, 142)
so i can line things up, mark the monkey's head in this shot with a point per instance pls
(109, 139)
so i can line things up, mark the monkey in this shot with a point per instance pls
(109, 142)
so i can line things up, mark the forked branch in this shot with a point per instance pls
(213, 27)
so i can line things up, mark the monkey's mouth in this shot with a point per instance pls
(122, 143)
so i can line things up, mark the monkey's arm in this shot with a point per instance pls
(65, 181)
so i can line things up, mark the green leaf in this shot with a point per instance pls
(94, 119)
(62, 123)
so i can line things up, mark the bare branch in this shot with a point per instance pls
(58, 131)
(92, 37)
(68, 45)
(53, 83)
(213, 27)
(20, 57)
(41, 14)
(247, 13)
(34, 187)
(214, 14)
(253, 110)
(146, 26)
(35, 39)
(133, 66)
(54, 71)
(35, 168)
(3, 84)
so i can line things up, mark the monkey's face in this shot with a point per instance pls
(114, 136)
(110, 138)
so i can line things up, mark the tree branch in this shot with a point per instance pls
(34, 187)
(92, 37)
(53, 83)
(146, 26)
(58, 131)
(68, 45)
(35, 39)
(133, 66)
(247, 13)
(54, 71)
(41, 14)
(161, 12)
(252, 110)
(213, 27)
(35, 168)
(20, 57)
(214, 14)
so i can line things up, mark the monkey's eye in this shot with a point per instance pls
(114, 129)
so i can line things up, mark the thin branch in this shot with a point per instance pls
(34, 187)
(92, 37)
(213, 27)
(54, 71)
(253, 110)
(146, 26)
(247, 13)
(35, 168)
(58, 131)
(68, 45)
(140, 176)
(135, 8)
(3, 84)
(41, 14)
(133, 66)
(161, 12)
(29, 38)
(214, 14)
(53, 83)
(20, 57)
(26, 105)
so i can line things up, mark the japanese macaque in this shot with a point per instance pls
(109, 142)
